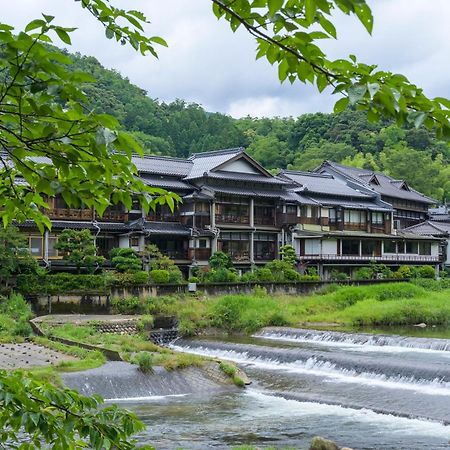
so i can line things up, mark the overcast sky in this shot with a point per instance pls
(206, 63)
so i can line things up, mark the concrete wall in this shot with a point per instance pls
(100, 303)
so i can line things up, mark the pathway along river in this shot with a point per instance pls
(360, 391)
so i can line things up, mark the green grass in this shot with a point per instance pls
(388, 304)
(130, 347)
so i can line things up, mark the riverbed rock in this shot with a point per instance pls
(421, 325)
(320, 443)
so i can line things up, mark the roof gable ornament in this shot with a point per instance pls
(242, 163)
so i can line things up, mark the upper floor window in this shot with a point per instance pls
(332, 214)
(354, 216)
(377, 218)
(291, 209)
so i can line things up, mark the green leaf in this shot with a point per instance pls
(356, 93)
(63, 35)
(37, 23)
(310, 10)
(341, 105)
(274, 6)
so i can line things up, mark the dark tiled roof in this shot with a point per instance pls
(286, 195)
(248, 177)
(322, 184)
(354, 204)
(162, 165)
(169, 228)
(165, 182)
(430, 228)
(387, 186)
(205, 162)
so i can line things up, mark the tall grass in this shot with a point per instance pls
(381, 304)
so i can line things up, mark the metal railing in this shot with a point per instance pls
(396, 257)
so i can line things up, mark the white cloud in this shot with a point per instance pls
(206, 63)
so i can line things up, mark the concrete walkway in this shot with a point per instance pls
(29, 354)
(83, 319)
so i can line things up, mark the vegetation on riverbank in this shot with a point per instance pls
(134, 348)
(375, 305)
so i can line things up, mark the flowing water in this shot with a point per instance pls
(363, 391)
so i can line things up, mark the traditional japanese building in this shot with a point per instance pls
(232, 204)
(410, 206)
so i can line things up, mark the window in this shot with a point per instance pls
(35, 246)
(350, 247)
(412, 247)
(377, 218)
(371, 248)
(390, 247)
(312, 247)
(52, 252)
(202, 243)
(425, 248)
(291, 209)
(202, 207)
(134, 241)
(354, 216)
(332, 215)
(265, 237)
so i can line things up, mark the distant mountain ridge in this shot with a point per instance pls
(180, 128)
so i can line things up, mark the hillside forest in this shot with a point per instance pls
(180, 128)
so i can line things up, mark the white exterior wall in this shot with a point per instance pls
(448, 253)
(240, 166)
(124, 241)
(329, 247)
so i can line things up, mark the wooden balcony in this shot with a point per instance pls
(309, 220)
(287, 219)
(351, 226)
(176, 254)
(266, 256)
(232, 219)
(115, 216)
(199, 254)
(70, 214)
(264, 220)
(162, 217)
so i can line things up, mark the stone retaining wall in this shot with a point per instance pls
(99, 303)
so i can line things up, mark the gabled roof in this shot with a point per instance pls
(385, 185)
(214, 164)
(324, 184)
(430, 228)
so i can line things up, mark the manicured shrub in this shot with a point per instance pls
(159, 276)
(363, 273)
(158, 261)
(336, 275)
(125, 260)
(426, 272)
(287, 253)
(293, 275)
(263, 274)
(139, 278)
(194, 280)
(221, 275)
(403, 272)
(220, 260)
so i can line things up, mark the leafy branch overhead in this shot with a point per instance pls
(50, 143)
(287, 33)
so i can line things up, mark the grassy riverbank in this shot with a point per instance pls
(390, 304)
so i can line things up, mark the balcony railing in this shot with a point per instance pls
(115, 216)
(239, 256)
(231, 218)
(351, 226)
(69, 213)
(264, 256)
(287, 219)
(397, 257)
(200, 254)
(176, 254)
(163, 217)
(264, 220)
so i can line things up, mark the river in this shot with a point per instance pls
(362, 391)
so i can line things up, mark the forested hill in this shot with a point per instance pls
(180, 128)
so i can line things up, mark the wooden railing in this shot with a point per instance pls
(230, 218)
(69, 213)
(162, 217)
(287, 219)
(200, 254)
(264, 220)
(115, 216)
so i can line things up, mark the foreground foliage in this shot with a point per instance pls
(60, 418)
